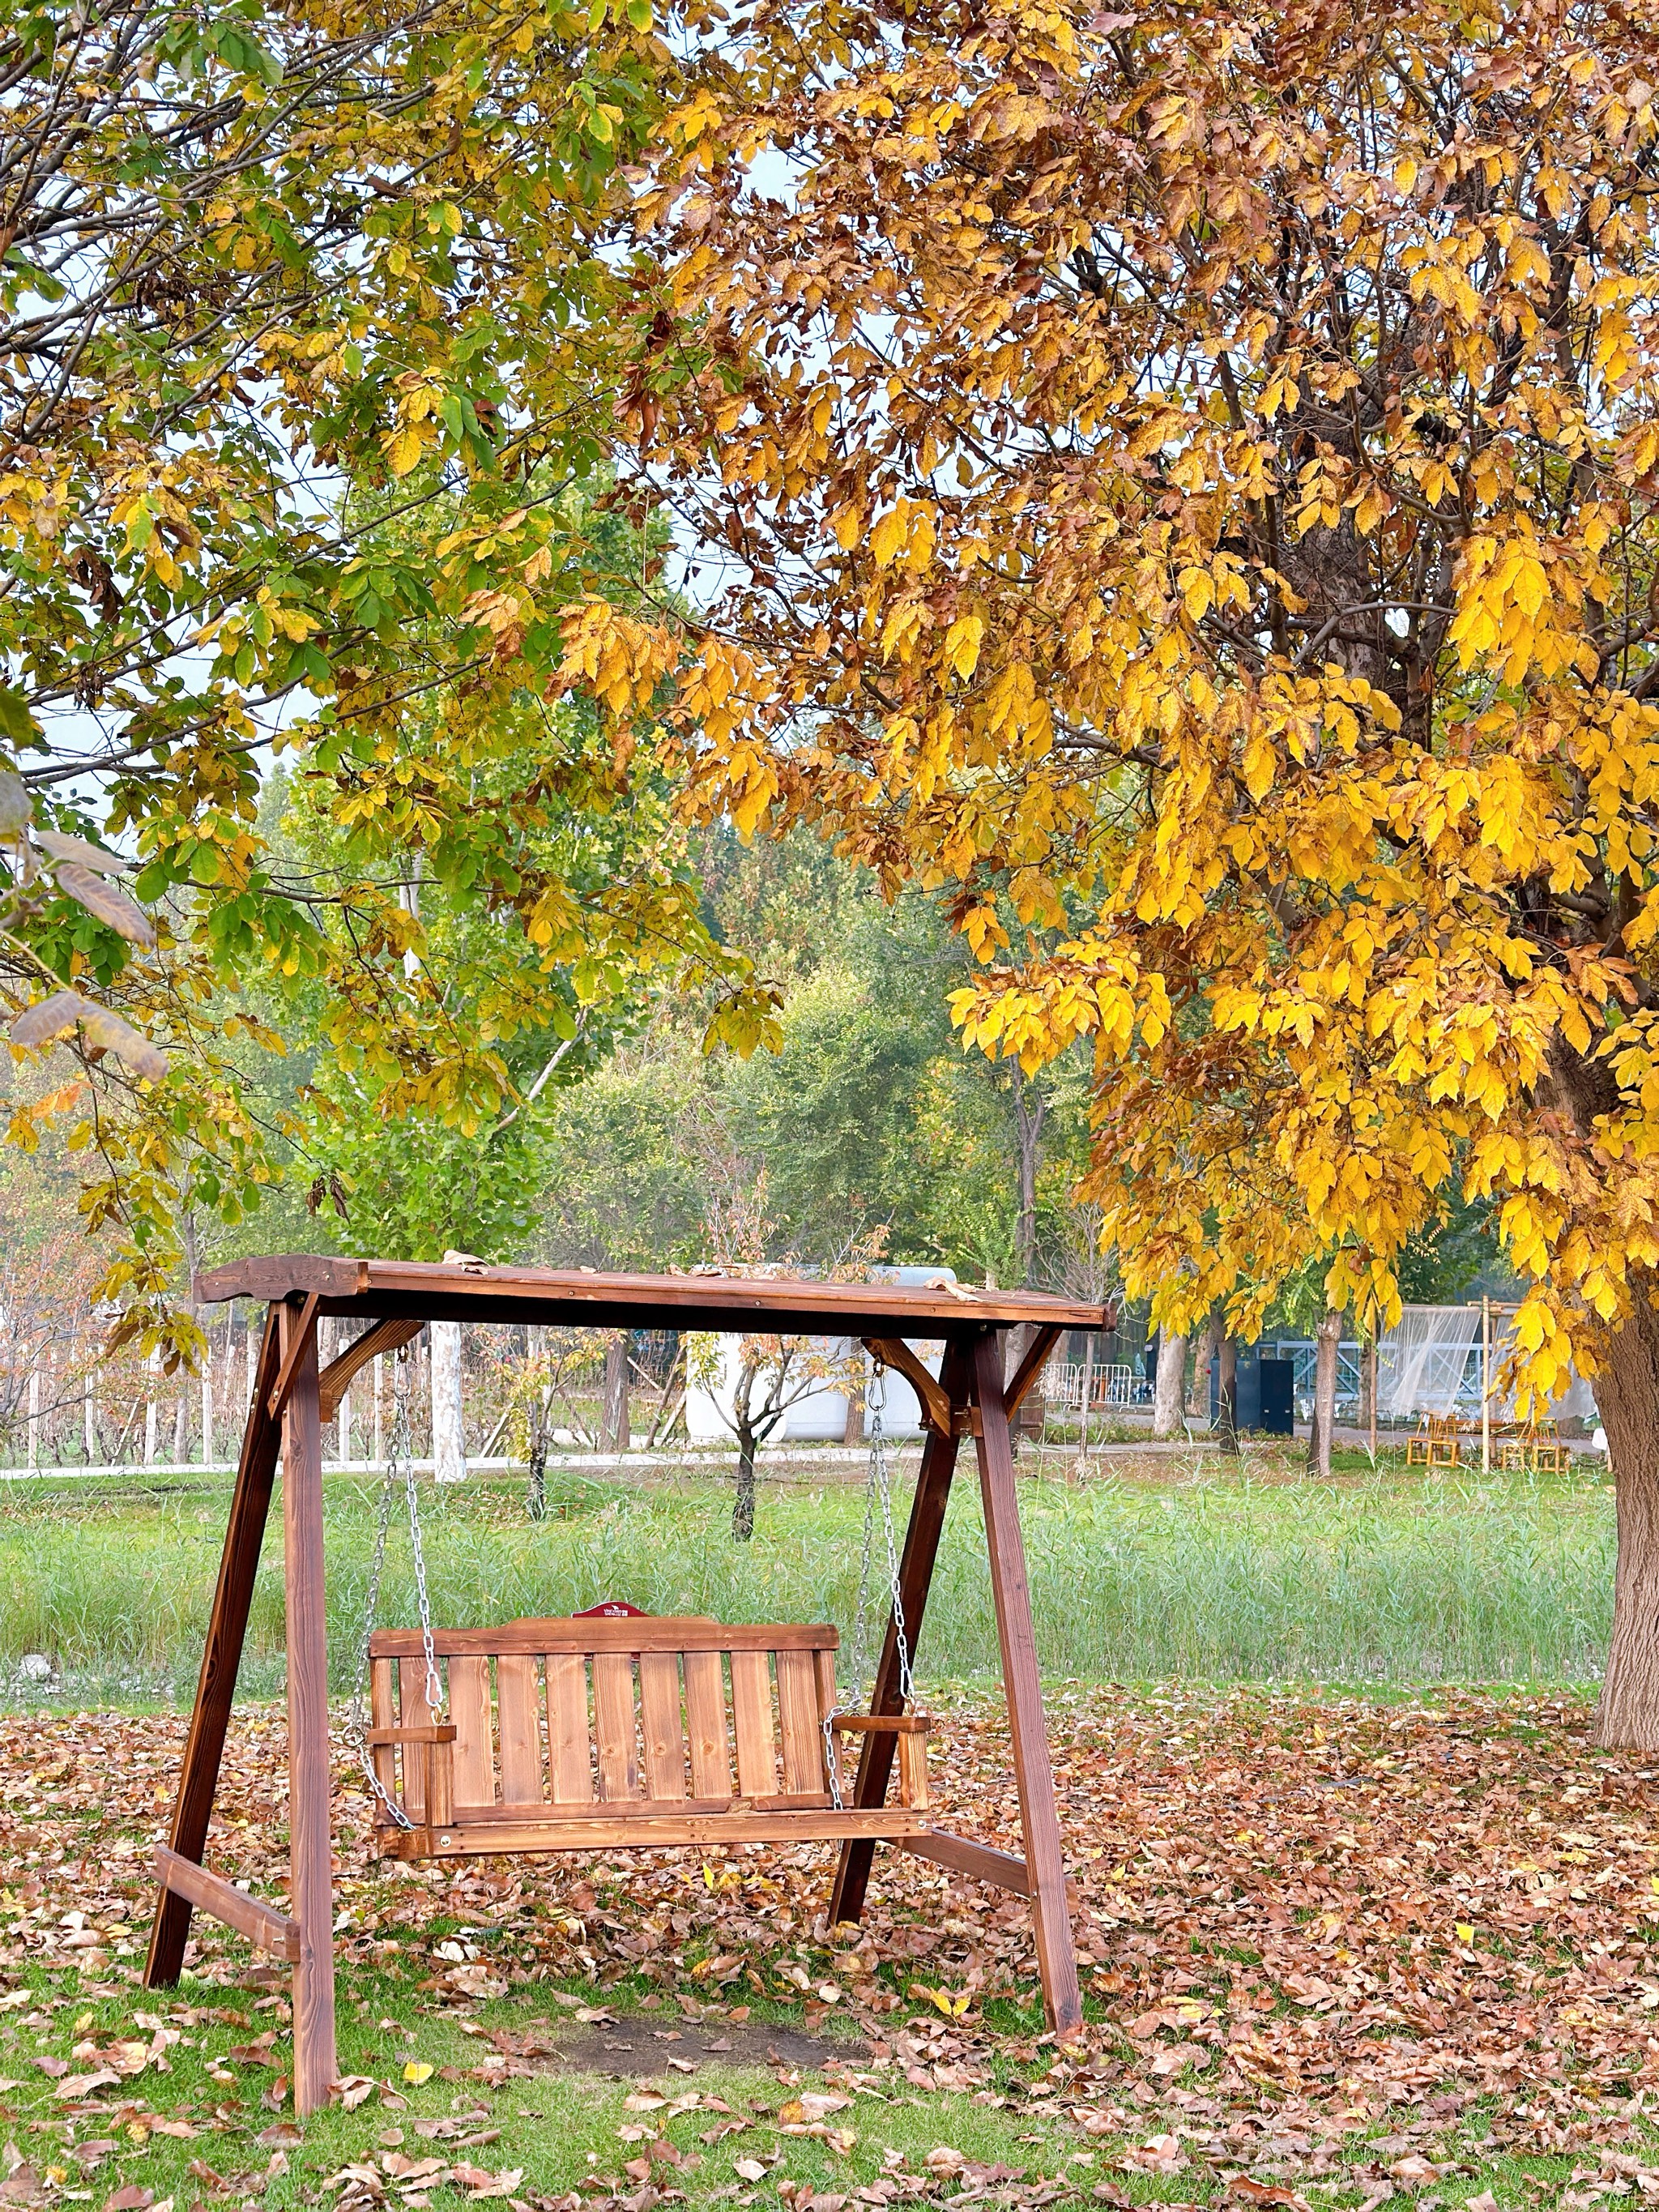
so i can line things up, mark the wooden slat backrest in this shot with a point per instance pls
(413, 1712)
(615, 1727)
(661, 1725)
(383, 1713)
(800, 1724)
(517, 1692)
(751, 1716)
(705, 1724)
(469, 1709)
(637, 1711)
(569, 1760)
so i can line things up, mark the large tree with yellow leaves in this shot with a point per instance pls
(1186, 477)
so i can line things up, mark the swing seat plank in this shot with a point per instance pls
(643, 1826)
(657, 1731)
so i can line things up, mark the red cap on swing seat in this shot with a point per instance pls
(613, 1608)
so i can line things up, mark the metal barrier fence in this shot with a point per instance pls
(1109, 1387)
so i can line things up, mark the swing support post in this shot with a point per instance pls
(1033, 1770)
(970, 1379)
(922, 1540)
(290, 1400)
(311, 1881)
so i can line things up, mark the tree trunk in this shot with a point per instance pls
(1328, 1340)
(1170, 1388)
(852, 1428)
(448, 1445)
(743, 1506)
(1627, 1398)
(1368, 1389)
(615, 1435)
(535, 1503)
(1209, 1343)
(1226, 1425)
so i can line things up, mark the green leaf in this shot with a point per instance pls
(17, 726)
(15, 809)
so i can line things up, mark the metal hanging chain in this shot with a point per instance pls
(877, 1489)
(401, 1461)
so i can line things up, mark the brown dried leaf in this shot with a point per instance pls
(102, 900)
(49, 1018)
(15, 807)
(111, 1034)
(63, 847)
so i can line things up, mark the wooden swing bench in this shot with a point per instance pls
(600, 1733)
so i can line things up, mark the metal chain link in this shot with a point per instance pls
(401, 1460)
(877, 1488)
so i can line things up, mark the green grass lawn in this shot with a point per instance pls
(214, 2128)
(1197, 1573)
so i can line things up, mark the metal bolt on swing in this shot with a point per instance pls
(400, 1463)
(877, 1489)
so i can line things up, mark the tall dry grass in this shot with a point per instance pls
(1364, 1580)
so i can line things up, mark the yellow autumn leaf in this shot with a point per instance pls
(405, 449)
(887, 538)
(962, 643)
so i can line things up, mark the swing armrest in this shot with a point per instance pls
(911, 1730)
(428, 1766)
(881, 1723)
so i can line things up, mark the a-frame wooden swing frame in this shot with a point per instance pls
(973, 1395)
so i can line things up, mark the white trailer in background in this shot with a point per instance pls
(818, 1415)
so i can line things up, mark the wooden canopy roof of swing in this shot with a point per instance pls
(581, 1298)
(399, 1297)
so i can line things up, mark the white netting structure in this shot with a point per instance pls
(1431, 1363)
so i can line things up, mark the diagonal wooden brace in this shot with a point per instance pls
(1030, 1368)
(295, 1339)
(336, 1378)
(893, 1351)
(252, 1917)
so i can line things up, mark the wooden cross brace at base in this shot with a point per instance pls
(969, 1397)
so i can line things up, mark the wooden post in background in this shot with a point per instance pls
(1033, 1770)
(1486, 1386)
(310, 1879)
